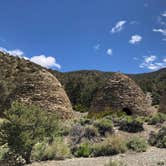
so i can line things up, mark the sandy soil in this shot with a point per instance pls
(153, 157)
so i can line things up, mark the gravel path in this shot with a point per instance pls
(152, 157)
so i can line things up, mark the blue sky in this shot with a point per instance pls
(66, 35)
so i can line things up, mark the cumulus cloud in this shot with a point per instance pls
(109, 51)
(15, 52)
(119, 26)
(150, 63)
(162, 31)
(45, 61)
(135, 39)
(163, 14)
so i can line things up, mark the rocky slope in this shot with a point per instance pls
(29, 83)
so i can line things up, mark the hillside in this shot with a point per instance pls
(82, 85)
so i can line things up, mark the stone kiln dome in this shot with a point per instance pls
(29, 83)
(120, 93)
(162, 107)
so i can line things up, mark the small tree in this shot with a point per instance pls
(25, 126)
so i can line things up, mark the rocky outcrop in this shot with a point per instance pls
(162, 107)
(29, 83)
(120, 93)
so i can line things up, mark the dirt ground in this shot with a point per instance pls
(153, 157)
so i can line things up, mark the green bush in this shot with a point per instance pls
(131, 124)
(115, 163)
(3, 151)
(118, 144)
(104, 126)
(137, 144)
(55, 150)
(158, 139)
(26, 125)
(157, 118)
(80, 108)
(111, 146)
(102, 150)
(85, 121)
(84, 150)
(38, 150)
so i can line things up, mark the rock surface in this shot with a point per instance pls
(120, 93)
(162, 107)
(29, 83)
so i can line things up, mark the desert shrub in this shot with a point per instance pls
(115, 163)
(101, 150)
(131, 124)
(38, 150)
(12, 159)
(83, 150)
(57, 150)
(85, 121)
(104, 126)
(49, 151)
(80, 108)
(90, 132)
(77, 133)
(3, 151)
(137, 144)
(64, 128)
(158, 139)
(157, 118)
(111, 146)
(118, 144)
(26, 125)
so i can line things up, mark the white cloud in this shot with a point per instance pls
(135, 39)
(119, 26)
(161, 20)
(163, 14)
(134, 22)
(45, 61)
(97, 47)
(109, 51)
(15, 52)
(150, 63)
(135, 58)
(162, 31)
(150, 59)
